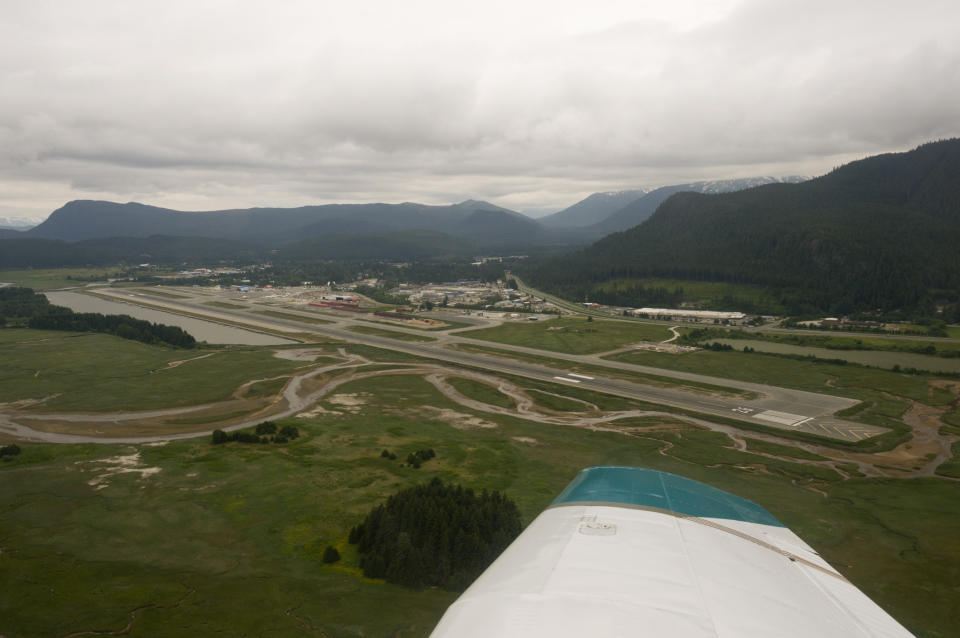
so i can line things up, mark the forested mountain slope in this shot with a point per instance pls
(880, 233)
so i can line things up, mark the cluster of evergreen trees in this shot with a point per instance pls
(415, 459)
(436, 534)
(9, 450)
(20, 302)
(266, 432)
(19, 305)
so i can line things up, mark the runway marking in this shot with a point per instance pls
(743, 410)
(566, 379)
(783, 418)
(579, 376)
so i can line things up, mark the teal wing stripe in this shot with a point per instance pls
(651, 488)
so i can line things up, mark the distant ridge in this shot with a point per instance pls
(475, 221)
(880, 233)
(637, 211)
(594, 208)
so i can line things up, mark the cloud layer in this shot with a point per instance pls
(216, 104)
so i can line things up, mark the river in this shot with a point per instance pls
(200, 329)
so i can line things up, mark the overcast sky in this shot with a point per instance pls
(532, 105)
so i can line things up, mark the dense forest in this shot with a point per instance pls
(878, 234)
(436, 534)
(22, 306)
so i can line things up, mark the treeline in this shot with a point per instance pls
(24, 305)
(436, 534)
(9, 451)
(265, 432)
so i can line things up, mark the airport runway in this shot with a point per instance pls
(775, 407)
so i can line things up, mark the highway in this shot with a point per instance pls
(773, 406)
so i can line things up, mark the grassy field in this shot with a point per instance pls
(844, 342)
(781, 450)
(229, 538)
(573, 366)
(59, 277)
(224, 304)
(481, 392)
(144, 290)
(292, 317)
(829, 378)
(558, 403)
(951, 468)
(573, 336)
(392, 334)
(97, 372)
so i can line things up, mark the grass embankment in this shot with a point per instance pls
(757, 445)
(159, 293)
(96, 372)
(481, 392)
(558, 403)
(881, 391)
(951, 468)
(230, 538)
(626, 375)
(48, 279)
(573, 335)
(391, 334)
(292, 317)
(842, 342)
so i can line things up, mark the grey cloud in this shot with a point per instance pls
(234, 104)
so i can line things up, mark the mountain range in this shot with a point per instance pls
(473, 220)
(604, 213)
(485, 225)
(880, 233)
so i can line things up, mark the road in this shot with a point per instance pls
(773, 406)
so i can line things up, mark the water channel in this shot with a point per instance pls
(200, 329)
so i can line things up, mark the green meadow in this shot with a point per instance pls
(228, 539)
(846, 342)
(48, 279)
(194, 538)
(391, 334)
(98, 372)
(573, 335)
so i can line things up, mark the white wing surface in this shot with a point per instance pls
(633, 552)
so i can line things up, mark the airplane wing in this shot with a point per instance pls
(627, 551)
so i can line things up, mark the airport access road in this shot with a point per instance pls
(773, 407)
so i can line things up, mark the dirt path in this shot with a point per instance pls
(676, 335)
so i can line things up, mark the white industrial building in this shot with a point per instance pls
(701, 316)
